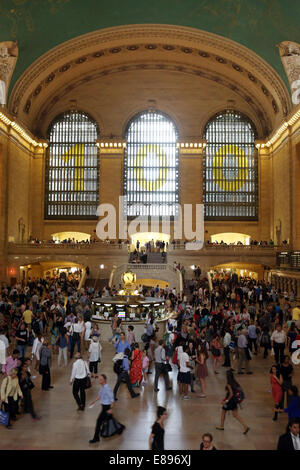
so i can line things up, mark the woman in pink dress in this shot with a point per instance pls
(277, 392)
(136, 369)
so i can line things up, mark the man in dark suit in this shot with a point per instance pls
(291, 439)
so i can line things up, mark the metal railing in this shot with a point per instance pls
(147, 266)
(245, 248)
(63, 246)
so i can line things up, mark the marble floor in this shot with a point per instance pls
(63, 427)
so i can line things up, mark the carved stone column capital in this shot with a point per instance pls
(290, 56)
(8, 59)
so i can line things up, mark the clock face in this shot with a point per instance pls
(128, 277)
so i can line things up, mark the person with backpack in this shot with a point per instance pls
(234, 397)
(121, 368)
(265, 341)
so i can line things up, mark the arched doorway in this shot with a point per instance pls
(231, 238)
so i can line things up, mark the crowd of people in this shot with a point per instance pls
(240, 243)
(232, 323)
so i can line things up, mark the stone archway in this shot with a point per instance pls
(85, 62)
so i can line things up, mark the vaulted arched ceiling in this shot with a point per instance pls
(189, 73)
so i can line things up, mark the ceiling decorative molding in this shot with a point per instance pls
(158, 47)
(126, 41)
(242, 91)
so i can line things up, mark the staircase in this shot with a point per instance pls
(152, 257)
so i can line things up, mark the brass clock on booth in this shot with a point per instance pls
(128, 278)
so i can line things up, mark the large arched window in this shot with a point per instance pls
(72, 168)
(230, 177)
(151, 166)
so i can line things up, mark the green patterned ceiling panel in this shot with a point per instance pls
(39, 25)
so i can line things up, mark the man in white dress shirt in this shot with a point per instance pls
(278, 341)
(78, 379)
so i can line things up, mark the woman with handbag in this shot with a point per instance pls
(230, 402)
(26, 386)
(110, 426)
(10, 394)
(215, 347)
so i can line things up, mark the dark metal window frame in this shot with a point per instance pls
(218, 194)
(71, 141)
(138, 192)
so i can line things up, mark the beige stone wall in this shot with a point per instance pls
(19, 183)
(22, 169)
(3, 203)
(296, 191)
(281, 162)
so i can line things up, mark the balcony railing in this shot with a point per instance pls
(69, 246)
(100, 246)
(233, 248)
